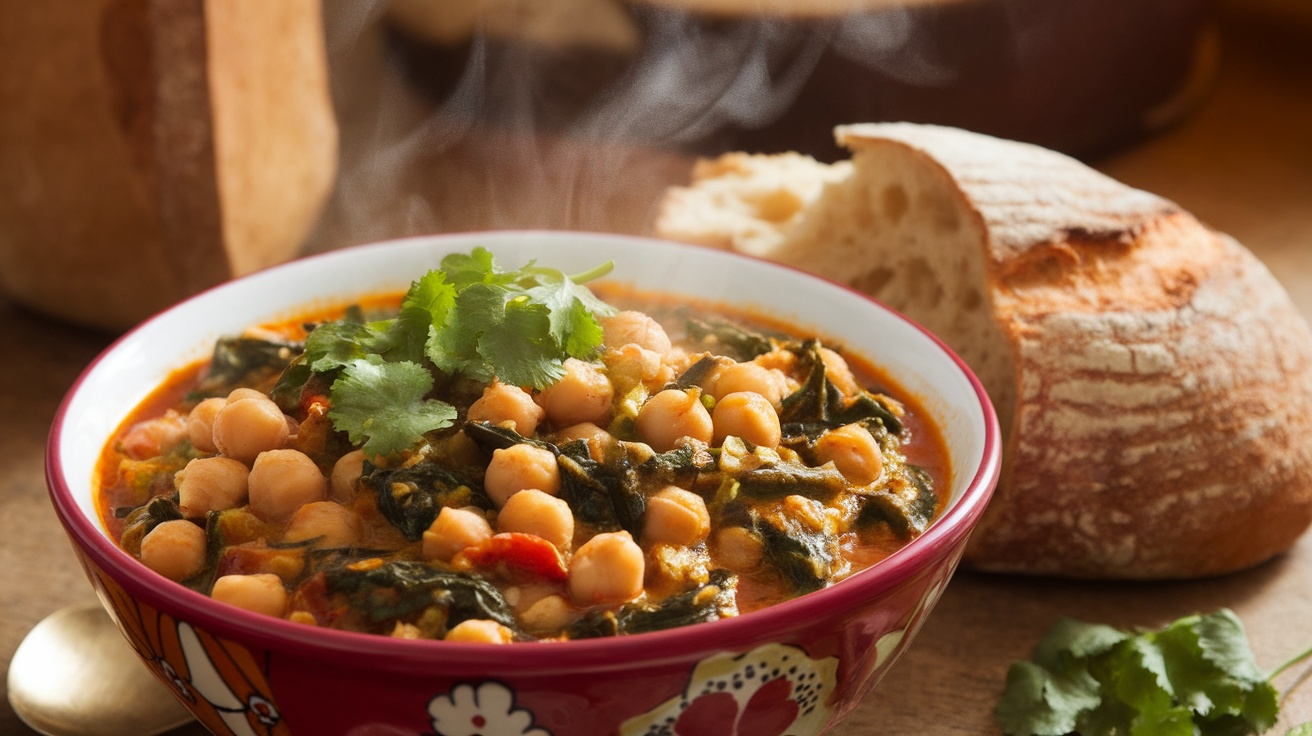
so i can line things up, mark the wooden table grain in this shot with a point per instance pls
(1242, 163)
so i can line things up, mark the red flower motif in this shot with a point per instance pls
(769, 712)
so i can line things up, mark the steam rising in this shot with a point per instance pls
(517, 140)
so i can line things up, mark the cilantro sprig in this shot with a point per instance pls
(1196, 676)
(467, 318)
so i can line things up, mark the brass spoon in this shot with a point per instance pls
(75, 675)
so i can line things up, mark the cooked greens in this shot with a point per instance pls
(487, 460)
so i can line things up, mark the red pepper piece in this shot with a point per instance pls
(518, 556)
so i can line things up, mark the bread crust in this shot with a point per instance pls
(1160, 409)
(151, 149)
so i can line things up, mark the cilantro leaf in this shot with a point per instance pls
(1195, 676)
(332, 345)
(521, 348)
(454, 347)
(1041, 702)
(470, 318)
(382, 405)
(479, 267)
(517, 326)
(425, 305)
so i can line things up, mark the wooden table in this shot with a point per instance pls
(1243, 163)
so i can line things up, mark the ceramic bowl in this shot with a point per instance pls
(794, 668)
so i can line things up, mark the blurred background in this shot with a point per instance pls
(149, 149)
(577, 113)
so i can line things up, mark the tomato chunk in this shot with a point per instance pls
(517, 556)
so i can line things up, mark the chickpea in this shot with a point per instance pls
(838, 372)
(636, 328)
(518, 467)
(345, 474)
(174, 549)
(282, 481)
(480, 631)
(606, 570)
(583, 394)
(779, 359)
(676, 516)
(153, 437)
(503, 403)
(533, 512)
(403, 630)
(738, 548)
(768, 382)
(261, 593)
(548, 615)
(749, 416)
(246, 427)
(200, 424)
(210, 484)
(672, 415)
(237, 394)
(854, 451)
(453, 531)
(332, 524)
(631, 365)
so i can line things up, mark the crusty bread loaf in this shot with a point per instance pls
(152, 148)
(1153, 380)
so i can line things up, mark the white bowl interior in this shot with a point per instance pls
(134, 366)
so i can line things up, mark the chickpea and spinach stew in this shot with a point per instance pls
(503, 456)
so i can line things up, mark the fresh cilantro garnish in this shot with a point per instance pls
(1195, 676)
(469, 318)
(518, 326)
(382, 405)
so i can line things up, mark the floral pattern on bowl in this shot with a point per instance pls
(487, 709)
(221, 682)
(772, 690)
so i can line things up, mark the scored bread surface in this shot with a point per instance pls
(1152, 379)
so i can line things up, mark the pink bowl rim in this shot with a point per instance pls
(578, 656)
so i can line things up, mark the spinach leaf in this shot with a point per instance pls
(491, 437)
(696, 373)
(680, 466)
(605, 495)
(818, 405)
(611, 494)
(907, 505)
(786, 479)
(804, 557)
(410, 498)
(397, 589)
(715, 600)
(141, 520)
(734, 340)
(286, 393)
(244, 361)
(811, 402)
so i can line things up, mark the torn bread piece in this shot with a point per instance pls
(1152, 379)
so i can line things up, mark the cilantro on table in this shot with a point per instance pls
(1195, 676)
(468, 318)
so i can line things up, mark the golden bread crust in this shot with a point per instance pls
(1153, 379)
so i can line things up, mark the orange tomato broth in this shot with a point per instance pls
(921, 441)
